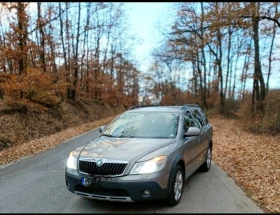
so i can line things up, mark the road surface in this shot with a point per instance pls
(36, 184)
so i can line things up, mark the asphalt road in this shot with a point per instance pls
(36, 184)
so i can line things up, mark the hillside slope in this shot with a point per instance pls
(19, 127)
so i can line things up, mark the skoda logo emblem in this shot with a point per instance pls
(99, 163)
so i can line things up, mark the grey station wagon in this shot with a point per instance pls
(146, 153)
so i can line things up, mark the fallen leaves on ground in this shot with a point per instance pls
(252, 160)
(39, 145)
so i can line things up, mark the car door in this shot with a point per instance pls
(190, 145)
(202, 141)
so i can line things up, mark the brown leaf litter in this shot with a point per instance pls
(251, 160)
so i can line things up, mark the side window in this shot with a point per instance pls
(198, 119)
(203, 117)
(188, 121)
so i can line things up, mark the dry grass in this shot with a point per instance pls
(252, 160)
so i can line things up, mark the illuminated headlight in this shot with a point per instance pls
(72, 162)
(154, 165)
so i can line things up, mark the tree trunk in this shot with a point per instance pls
(42, 41)
(22, 39)
(228, 60)
(220, 73)
(76, 66)
(270, 53)
(203, 60)
(69, 90)
(258, 77)
(1, 94)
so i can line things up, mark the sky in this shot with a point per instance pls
(146, 18)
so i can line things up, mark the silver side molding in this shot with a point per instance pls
(106, 198)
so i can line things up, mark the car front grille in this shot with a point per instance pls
(106, 169)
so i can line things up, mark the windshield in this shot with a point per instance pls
(144, 125)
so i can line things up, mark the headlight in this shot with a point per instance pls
(153, 165)
(72, 162)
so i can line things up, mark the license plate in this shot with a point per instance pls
(89, 181)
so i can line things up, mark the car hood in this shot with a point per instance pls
(126, 149)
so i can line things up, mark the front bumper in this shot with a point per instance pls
(128, 188)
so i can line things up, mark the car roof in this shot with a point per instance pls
(174, 109)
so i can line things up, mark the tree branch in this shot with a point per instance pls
(45, 23)
(264, 17)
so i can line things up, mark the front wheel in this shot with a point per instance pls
(177, 184)
(205, 167)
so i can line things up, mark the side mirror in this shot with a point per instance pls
(192, 131)
(101, 129)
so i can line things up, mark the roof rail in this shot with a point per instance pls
(142, 106)
(189, 105)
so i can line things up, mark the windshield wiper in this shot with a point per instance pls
(107, 135)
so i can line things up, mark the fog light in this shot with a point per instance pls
(147, 192)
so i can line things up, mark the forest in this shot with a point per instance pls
(67, 68)
(219, 55)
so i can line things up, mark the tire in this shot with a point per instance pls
(205, 167)
(177, 185)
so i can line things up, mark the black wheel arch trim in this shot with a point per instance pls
(177, 159)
